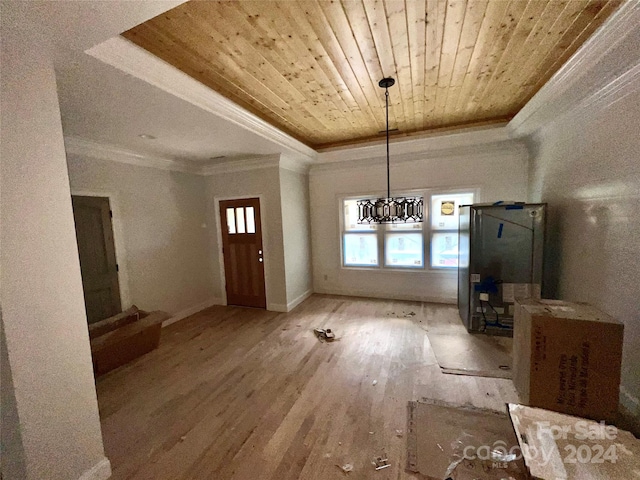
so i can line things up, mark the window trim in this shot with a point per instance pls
(427, 231)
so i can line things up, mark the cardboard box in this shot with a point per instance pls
(461, 443)
(558, 446)
(566, 357)
(122, 338)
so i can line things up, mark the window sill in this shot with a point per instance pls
(396, 270)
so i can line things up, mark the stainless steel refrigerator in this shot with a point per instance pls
(500, 255)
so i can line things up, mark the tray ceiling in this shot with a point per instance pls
(311, 68)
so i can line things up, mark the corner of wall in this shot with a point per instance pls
(296, 231)
(12, 464)
(100, 471)
(629, 402)
(187, 312)
(299, 299)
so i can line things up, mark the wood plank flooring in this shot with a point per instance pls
(235, 393)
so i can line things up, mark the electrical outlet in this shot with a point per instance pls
(484, 297)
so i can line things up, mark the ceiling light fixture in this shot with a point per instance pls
(146, 136)
(390, 209)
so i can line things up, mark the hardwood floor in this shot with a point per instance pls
(235, 393)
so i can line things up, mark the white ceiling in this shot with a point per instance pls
(101, 103)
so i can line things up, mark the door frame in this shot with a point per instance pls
(266, 256)
(118, 240)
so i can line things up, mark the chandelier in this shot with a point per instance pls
(390, 209)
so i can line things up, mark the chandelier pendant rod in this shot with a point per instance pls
(390, 209)
(386, 95)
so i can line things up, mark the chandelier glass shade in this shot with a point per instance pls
(390, 209)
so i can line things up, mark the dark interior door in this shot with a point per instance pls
(96, 248)
(242, 251)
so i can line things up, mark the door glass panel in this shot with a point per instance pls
(251, 221)
(231, 221)
(240, 219)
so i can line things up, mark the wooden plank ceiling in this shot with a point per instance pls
(311, 67)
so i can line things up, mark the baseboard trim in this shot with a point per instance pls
(631, 403)
(277, 307)
(297, 301)
(387, 296)
(191, 310)
(100, 471)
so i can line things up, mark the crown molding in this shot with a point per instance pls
(295, 163)
(256, 162)
(244, 164)
(134, 60)
(427, 143)
(90, 148)
(494, 141)
(512, 149)
(601, 72)
(102, 151)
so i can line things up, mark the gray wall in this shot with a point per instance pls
(294, 193)
(160, 225)
(45, 326)
(588, 170)
(12, 462)
(263, 183)
(498, 174)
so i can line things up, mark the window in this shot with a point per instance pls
(360, 249)
(370, 245)
(444, 228)
(360, 242)
(402, 245)
(236, 220)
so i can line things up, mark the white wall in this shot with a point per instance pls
(263, 183)
(168, 261)
(583, 127)
(499, 171)
(45, 327)
(160, 225)
(588, 170)
(294, 194)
